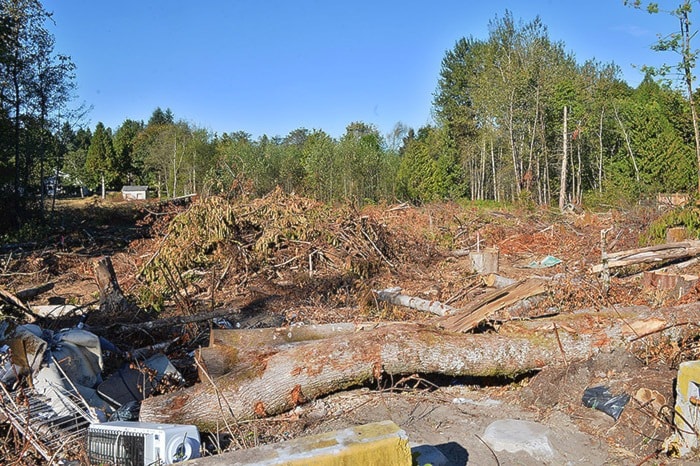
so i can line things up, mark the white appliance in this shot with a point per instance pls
(141, 443)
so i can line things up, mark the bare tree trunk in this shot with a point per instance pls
(600, 148)
(688, 59)
(513, 149)
(564, 161)
(493, 170)
(579, 178)
(628, 144)
(275, 384)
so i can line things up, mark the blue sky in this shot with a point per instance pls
(269, 67)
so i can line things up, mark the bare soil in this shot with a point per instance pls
(285, 259)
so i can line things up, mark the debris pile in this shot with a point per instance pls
(228, 312)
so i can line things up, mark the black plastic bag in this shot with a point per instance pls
(601, 399)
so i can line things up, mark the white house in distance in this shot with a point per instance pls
(132, 193)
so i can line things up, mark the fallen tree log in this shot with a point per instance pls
(13, 301)
(394, 296)
(284, 379)
(229, 349)
(31, 293)
(649, 254)
(280, 380)
(672, 285)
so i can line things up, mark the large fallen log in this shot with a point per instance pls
(229, 350)
(659, 253)
(31, 293)
(281, 379)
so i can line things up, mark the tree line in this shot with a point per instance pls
(516, 118)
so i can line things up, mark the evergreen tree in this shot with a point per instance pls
(100, 163)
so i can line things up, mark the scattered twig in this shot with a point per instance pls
(377, 249)
(561, 348)
(154, 256)
(219, 398)
(498, 463)
(23, 274)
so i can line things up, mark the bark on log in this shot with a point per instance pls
(281, 381)
(671, 284)
(13, 301)
(231, 349)
(493, 280)
(649, 254)
(285, 379)
(393, 296)
(112, 299)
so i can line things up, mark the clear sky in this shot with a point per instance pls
(272, 66)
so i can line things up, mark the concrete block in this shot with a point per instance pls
(379, 443)
(514, 435)
(683, 441)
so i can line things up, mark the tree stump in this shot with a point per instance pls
(672, 285)
(485, 261)
(112, 299)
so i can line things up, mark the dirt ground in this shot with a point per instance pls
(284, 259)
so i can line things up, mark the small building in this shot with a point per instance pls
(132, 193)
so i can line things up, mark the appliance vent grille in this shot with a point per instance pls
(116, 447)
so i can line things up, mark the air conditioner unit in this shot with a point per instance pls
(141, 443)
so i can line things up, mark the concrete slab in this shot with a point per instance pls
(375, 444)
(513, 435)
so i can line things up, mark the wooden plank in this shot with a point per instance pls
(479, 310)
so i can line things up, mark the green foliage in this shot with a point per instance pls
(688, 217)
(498, 133)
(36, 85)
(101, 164)
(191, 238)
(612, 196)
(429, 168)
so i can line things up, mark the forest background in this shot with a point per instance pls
(516, 119)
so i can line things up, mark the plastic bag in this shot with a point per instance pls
(601, 399)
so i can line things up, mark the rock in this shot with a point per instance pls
(514, 436)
